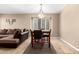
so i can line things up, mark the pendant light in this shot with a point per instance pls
(41, 14)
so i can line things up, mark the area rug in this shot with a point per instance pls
(40, 50)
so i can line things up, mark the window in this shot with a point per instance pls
(40, 23)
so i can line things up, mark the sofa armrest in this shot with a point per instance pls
(24, 36)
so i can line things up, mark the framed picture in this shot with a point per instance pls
(10, 21)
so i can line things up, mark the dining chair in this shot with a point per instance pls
(36, 37)
(46, 36)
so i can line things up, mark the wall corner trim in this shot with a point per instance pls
(72, 46)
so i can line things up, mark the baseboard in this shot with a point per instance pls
(70, 45)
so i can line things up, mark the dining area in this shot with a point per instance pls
(40, 30)
(40, 37)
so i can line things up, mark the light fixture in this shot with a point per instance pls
(41, 14)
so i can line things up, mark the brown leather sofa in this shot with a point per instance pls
(8, 40)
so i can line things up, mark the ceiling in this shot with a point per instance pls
(29, 8)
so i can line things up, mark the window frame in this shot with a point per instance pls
(46, 18)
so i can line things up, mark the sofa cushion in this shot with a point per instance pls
(10, 31)
(24, 30)
(9, 39)
(17, 34)
(3, 31)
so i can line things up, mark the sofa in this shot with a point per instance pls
(12, 37)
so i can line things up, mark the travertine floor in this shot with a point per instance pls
(59, 47)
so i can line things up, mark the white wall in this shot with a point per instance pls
(69, 24)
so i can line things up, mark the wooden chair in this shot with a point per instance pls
(46, 34)
(36, 37)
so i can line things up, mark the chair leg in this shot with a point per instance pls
(32, 42)
(49, 45)
(49, 42)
